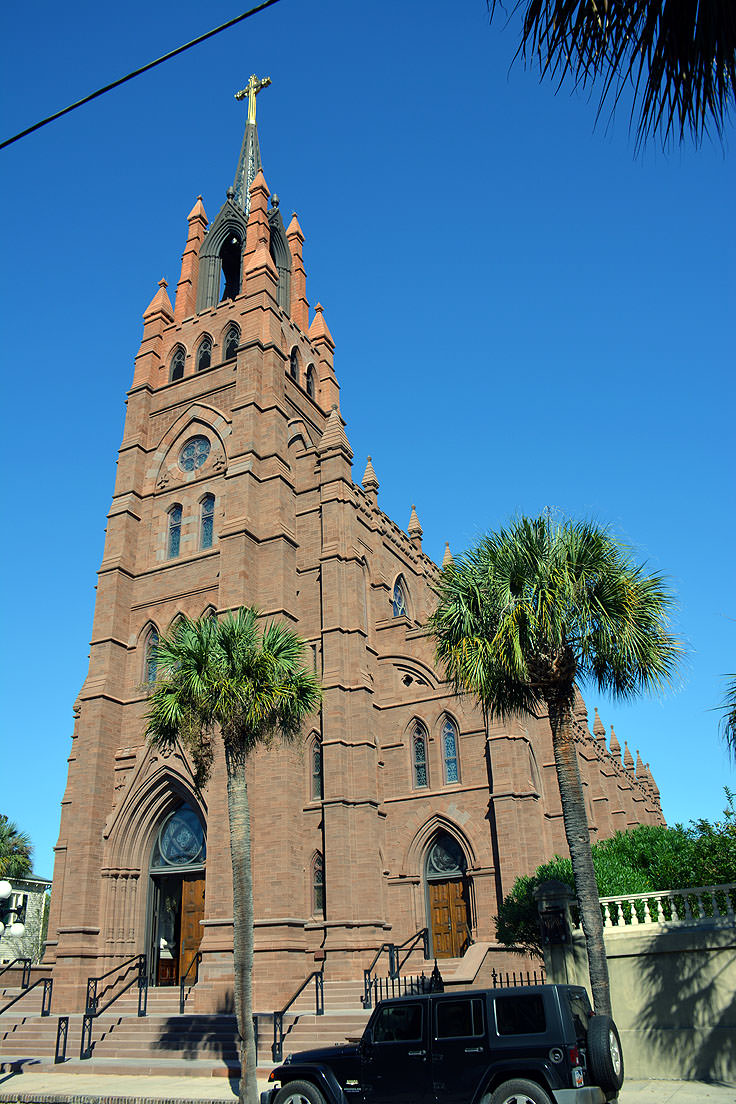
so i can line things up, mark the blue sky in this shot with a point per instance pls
(525, 315)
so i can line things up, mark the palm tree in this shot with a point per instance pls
(678, 56)
(230, 680)
(526, 615)
(728, 720)
(16, 850)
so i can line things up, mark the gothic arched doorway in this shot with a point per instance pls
(448, 897)
(176, 896)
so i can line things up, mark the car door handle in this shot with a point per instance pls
(417, 1053)
(474, 1050)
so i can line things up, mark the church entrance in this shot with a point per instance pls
(176, 898)
(448, 898)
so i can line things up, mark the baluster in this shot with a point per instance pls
(688, 910)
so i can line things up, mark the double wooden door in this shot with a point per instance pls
(450, 917)
(178, 909)
(192, 913)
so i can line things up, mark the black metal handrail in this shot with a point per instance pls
(394, 965)
(25, 980)
(93, 1008)
(195, 962)
(277, 1050)
(46, 1000)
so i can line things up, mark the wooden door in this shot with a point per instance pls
(192, 913)
(448, 910)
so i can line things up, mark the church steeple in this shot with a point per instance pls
(249, 161)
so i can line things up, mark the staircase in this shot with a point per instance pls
(194, 1044)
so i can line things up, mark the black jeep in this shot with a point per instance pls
(534, 1045)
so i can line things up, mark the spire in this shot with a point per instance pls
(447, 557)
(159, 305)
(370, 481)
(414, 529)
(628, 757)
(599, 729)
(334, 436)
(249, 161)
(615, 746)
(318, 331)
(186, 290)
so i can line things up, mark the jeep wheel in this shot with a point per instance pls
(605, 1057)
(299, 1092)
(520, 1091)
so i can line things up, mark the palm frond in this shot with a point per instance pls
(728, 719)
(678, 57)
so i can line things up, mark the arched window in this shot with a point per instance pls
(174, 537)
(318, 885)
(151, 658)
(231, 342)
(310, 381)
(316, 771)
(400, 606)
(420, 767)
(294, 364)
(230, 255)
(449, 751)
(366, 583)
(177, 363)
(206, 521)
(204, 353)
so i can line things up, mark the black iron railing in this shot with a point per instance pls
(93, 1009)
(25, 978)
(62, 1034)
(193, 965)
(277, 1050)
(507, 980)
(48, 985)
(395, 962)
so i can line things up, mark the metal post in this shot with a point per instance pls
(277, 1050)
(91, 1006)
(62, 1032)
(392, 959)
(319, 995)
(26, 975)
(366, 1001)
(48, 985)
(142, 994)
(85, 1050)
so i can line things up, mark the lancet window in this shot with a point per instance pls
(316, 771)
(231, 343)
(400, 607)
(174, 534)
(294, 364)
(449, 751)
(151, 657)
(206, 521)
(177, 363)
(310, 381)
(318, 884)
(420, 767)
(204, 353)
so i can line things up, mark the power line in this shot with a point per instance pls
(137, 72)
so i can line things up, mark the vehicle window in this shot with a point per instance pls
(398, 1023)
(520, 1015)
(579, 1007)
(456, 1019)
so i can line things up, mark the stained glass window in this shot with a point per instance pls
(310, 381)
(151, 656)
(207, 521)
(204, 354)
(194, 453)
(445, 859)
(294, 364)
(399, 600)
(232, 340)
(316, 771)
(449, 751)
(180, 841)
(177, 363)
(419, 758)
(318, 885)
(174, 541)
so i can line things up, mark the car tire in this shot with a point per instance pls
(605, 1056)
(520, 1091)
(299, 1092)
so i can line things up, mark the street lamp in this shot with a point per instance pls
(8, 912)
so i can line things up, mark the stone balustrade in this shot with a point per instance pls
(700, 906)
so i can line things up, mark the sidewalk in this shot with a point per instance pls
(75, 1088)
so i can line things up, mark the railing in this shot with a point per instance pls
(194, 963)
(48, 985)
(698, 906)
(277, 1050)
(501, 980)
(136, 965)
(394, 965)
(62, 1033)
(407, 986)
(25, 976)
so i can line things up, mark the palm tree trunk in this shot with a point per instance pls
(578, 840)
(239, 817)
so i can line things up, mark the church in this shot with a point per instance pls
(401, 810)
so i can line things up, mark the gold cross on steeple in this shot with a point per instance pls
(251, 90)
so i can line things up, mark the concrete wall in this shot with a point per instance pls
(673, 991)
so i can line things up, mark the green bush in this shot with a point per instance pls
(650, 857)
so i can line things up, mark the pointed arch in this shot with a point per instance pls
(174, 516)
(400, 597)
(419, 754)
(418, 848)
(206, 521)
(177, 362)
(228, 224)
(450, 744)
(204, 353)
(294, 364)
(150, 638)
(281, 255)
(199, 418)
(317, 880)
(231, 341)
(316, 774)
(310, 383)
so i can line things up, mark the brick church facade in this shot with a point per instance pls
(235, 487)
